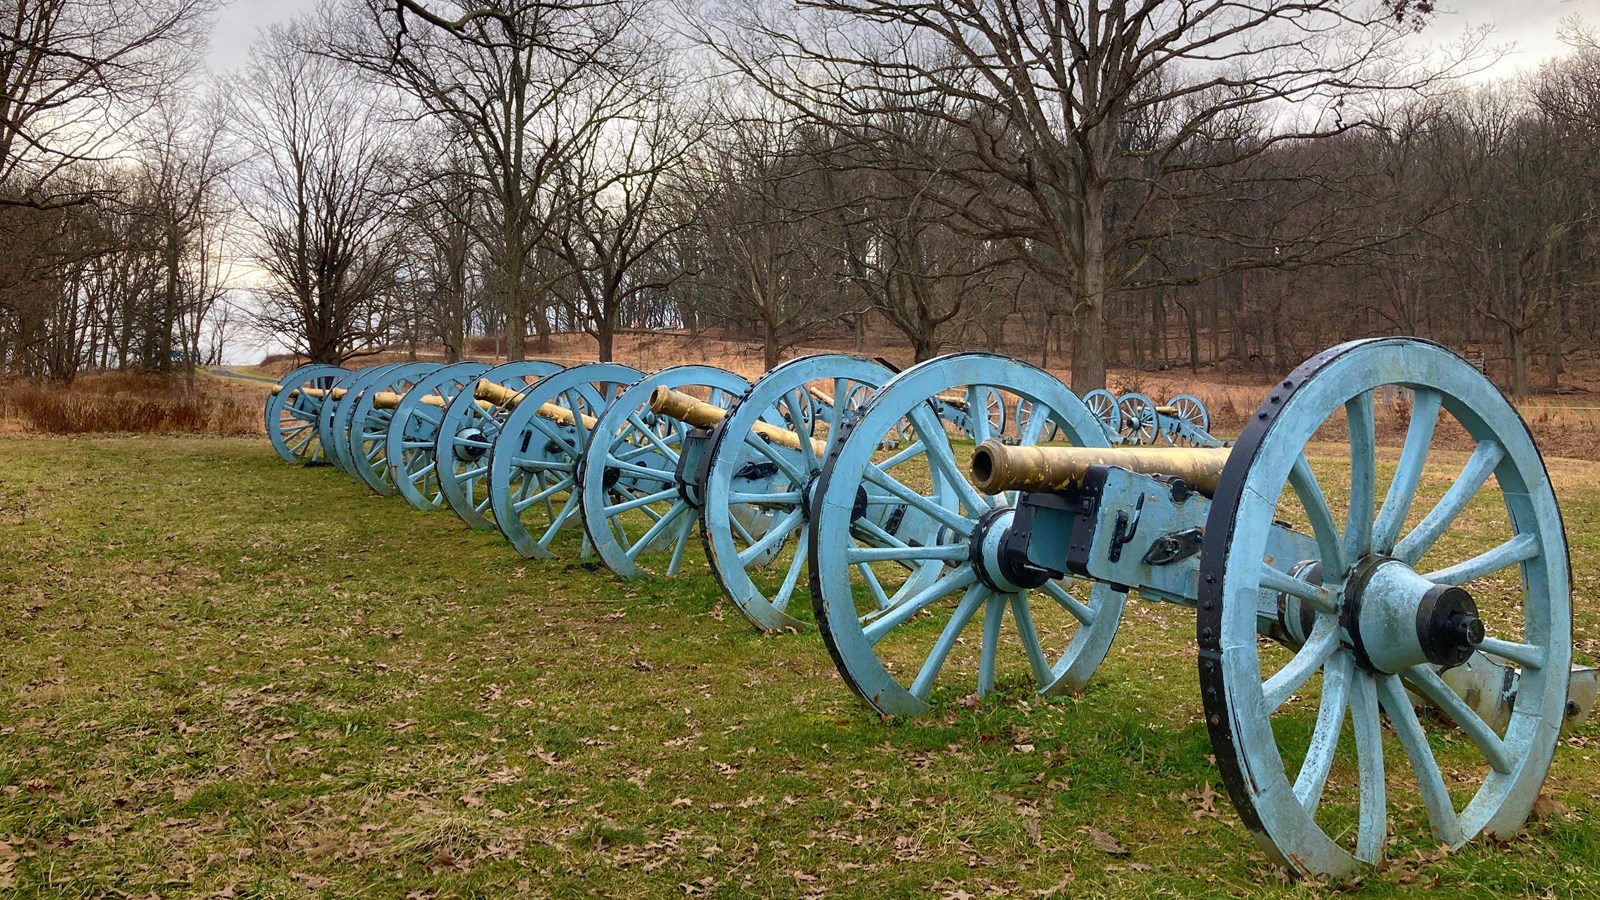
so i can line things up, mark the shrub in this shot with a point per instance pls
(126, 402)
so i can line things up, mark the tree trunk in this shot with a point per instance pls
(541, 327)
(1191, 317)
(1516, 345)
(769, 345)
(514, 301)
(1158, 327)
(1088, 320)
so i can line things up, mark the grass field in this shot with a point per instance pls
(221, 676)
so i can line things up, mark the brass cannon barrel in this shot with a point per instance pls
(489, 392)
(997, 467)
(335, 394)
(665, 401)
(391, 400)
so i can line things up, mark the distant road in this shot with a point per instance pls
(225, 372)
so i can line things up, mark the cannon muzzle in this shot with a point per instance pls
(997, 467)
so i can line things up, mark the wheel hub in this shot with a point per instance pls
(996, 565)
(1397, 619)
(471, 446)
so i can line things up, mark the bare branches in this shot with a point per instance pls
(1091, 127)
(74, 72)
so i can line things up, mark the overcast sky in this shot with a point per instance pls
(1530, 24)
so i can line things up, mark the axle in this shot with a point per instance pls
(997, 467)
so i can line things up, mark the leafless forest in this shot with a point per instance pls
(1087, 183)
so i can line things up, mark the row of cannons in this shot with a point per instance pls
(1357, 657)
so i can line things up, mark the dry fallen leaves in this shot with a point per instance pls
(1104, 842)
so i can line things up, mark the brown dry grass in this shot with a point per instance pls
(112, 402)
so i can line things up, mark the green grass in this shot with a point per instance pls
(224, 676)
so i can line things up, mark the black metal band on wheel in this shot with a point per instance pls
(1213, 559)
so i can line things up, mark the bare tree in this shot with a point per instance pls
(182, 196)
(316, 189)
(1052, 96)
(617, 214)
(772, 262)
(441, 207)
(502, 73)
(74, 72)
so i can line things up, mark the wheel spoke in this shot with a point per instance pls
(874, 586)
(654, 439)
(776, 457)
(943, 461)
(549, 492)
(776, 533)
(1280, 582)
(1477, 470)
(993, 615)
(780, 600)
(1363, 476)
(1425, 406)
(910, 451)
(1030, 432)
(957, 522)
(656, 529)
(946, 552)
(968, 606)
(757, 498)
(559, 520)
(952, 581)
(1022, 614)
(869, 531)
(1519, 549)
(1529, 656)
(808, 451)
(684, 531)
(1329, 541)
(1318, 762)
(1435, 796)
(1322, 643)
(978, 414)
(1373, 824)
(619, 508)
(1423, 678)
(1079, 610)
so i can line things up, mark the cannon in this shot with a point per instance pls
(758, 466)
(1322, 594)
(467, 433)
(413, 435)
(639, 481)
(364, 432)
(1182, 420)
(533, 465)
(763, 460)
(294, 408)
